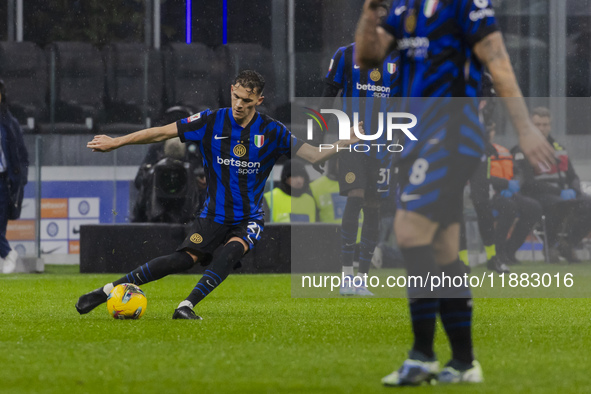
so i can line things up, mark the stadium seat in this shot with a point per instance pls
(126, 87)
(238, 57)
(23, 67)
(79, 80)
(191, 76)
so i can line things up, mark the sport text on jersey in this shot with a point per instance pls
(242, 167)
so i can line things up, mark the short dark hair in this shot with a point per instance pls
(250, 80)
(542, 112)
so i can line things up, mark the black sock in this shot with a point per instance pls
(456, 314)
(420, 262)
(369, 238)
(218, 271)
(423, 315)
(158, 268)
(349, 228)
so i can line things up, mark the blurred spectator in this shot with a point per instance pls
(558, 189)
(292, 200)
(325, 191)
(14, 168)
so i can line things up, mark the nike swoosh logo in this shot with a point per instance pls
(356, 66)
(399, 10)
(76, 230)
(138, 276)
(217, 137)
(49, 251)
(210, 285)
(346, 244)
(409, 197)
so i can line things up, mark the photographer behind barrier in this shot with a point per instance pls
(152, 205)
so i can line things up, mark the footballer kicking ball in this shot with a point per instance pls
(126, 301)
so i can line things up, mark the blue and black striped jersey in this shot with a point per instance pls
(237, 160)
(435, 40)
(363, 91)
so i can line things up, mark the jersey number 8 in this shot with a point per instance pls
(418, 172)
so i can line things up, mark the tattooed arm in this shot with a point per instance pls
(492, 53)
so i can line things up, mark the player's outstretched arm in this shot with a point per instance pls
(492, 53)
(104, 143)
(372, 42)
(319, 154)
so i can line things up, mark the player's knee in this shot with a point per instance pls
(241, 241)
(445, 252)
(408, 239)
(192, 255)
(410, 233)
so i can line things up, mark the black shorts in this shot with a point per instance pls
(433, 185)
(205, 236)
(359, 171)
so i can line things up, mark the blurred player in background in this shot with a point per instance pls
(363, 177)
(438, 41)
(239, 147)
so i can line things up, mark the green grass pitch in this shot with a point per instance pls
(255, 338)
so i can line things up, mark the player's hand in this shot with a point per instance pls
(101, 143)
(359, 129)
(353, 138)
(536, 148)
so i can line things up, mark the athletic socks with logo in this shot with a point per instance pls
(349, 228)
(369, 237)
(219, 270)
(158, 268)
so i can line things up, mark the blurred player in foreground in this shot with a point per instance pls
(438, 42)
(364, 177)
(239, 147)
